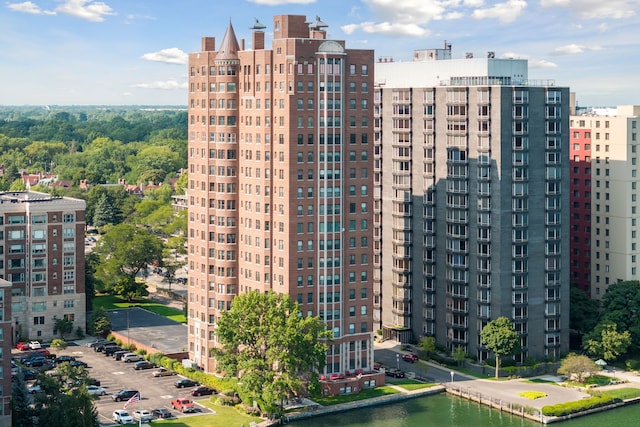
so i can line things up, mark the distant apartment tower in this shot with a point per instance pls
(6, 345)
(613, 185)
(280, 191)
(580, 204)
(471, 177)
(42, 255)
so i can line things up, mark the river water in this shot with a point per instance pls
(444, 410)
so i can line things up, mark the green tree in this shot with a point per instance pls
(62, 326)
(124, 251)
(577, 365)
(21, 413)
(428, 344)
(58, 344)
(275, 351)
(99, 323)
(621, 306)
(611, 343)
(104, 212)
(584, 311)
(500, 337)
(459, 355)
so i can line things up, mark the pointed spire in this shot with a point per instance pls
(229, 46)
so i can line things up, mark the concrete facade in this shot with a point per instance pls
(42, 255)
(471, 177)
(280, 192)
(612, 136)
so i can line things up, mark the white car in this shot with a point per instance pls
(34, 388)
(132, 357)
(142, 415)
(94, 390)
(122, 417)
(35, 345)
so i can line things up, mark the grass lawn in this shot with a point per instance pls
(364, 394)
(532, 395)
(110, 302)
(409, 384)
(225, 416)
(540, 381)
(623, 393)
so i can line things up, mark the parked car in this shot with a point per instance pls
(202, 391)
(29, 374)
(22, 346)
(410, 357)
(35, 362)
(185, 382)
(78, 363)
(62, 359)
(34, 388)
(96, 342)
(124, 395)
(163, 372)
(34, 345)
(397, 373)
(96, 391)
(119, 354)
(161, 413)
(88, 381)
(183, 405)
(143, 364)
(100, 347)
(132, 357)
(108, 351)
(142, 415)
(122, 417)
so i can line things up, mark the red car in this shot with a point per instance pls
(410, 357)
(22, 346)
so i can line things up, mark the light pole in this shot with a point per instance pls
(452, 374)
(397, 361)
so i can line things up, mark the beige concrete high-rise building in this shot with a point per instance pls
(280, 191)
(42, 255)
(471, 210)
(611, 136)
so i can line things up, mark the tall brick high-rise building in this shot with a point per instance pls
(280, 189)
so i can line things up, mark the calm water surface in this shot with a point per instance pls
(443, 410)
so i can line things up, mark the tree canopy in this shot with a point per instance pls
(500, 337)
(275, 351)
(577, 365)
(610, 344)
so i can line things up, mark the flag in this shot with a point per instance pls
(133, 400)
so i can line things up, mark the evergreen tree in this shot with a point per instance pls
(21, 414)
(103, 213)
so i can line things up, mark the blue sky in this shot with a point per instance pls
(77, 52)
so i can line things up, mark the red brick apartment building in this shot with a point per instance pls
(580, 200)
(280, 192)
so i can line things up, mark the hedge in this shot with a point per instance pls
(567, 408)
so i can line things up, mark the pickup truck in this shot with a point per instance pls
(183, 405)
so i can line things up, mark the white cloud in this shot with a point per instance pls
(94, 11)
(505, 12)
(603, 27)
(131, 18)
(164, 85)
(171, 55)
(473, 3)
(570, 49)
(280, 2)
(29, 7)
(386, 28)
(593, 9)
(541, 63)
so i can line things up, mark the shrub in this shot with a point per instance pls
(532, 395)
(228, 400)
(58, 344)
(632, 364)
(250, 410)
(79, 333)
(568, 408)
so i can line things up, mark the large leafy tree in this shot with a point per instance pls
(58, 406)
(500, 337)
(577, 365)
(99, 322)
(610, 343)
(124, 251)
(275, 351)
(584, 312)
(620, 306)
(63, 326)
(21, 413)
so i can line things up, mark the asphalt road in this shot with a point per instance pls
(393, 359)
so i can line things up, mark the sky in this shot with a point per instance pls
(135, 52)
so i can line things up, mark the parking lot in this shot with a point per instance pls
(117, 375)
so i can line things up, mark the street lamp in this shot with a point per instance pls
(452, 374)
(397, 361)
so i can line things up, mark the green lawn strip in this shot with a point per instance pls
(364, 394)
(409, 384)
(225, 416)
(623, 393)
(110, 302)
(540, 381)
(532, 395)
